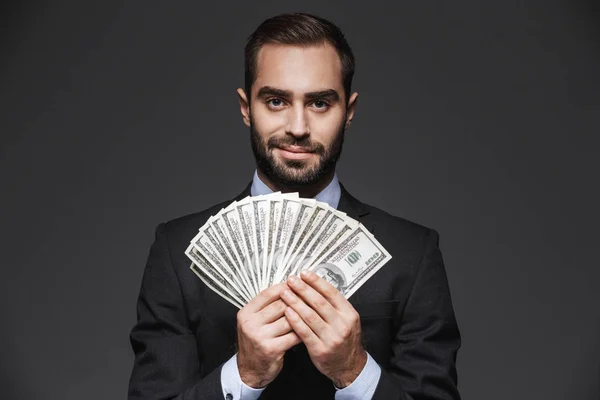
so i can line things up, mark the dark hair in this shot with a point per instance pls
(298, 29)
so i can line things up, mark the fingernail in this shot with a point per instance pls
(307, 274)
(286, 293)
(293, 279)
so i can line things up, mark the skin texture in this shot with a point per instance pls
(298, 103)
(264, 335)
(328, 325)
(297, 113)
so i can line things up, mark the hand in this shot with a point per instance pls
(264, 335)
(328, 325)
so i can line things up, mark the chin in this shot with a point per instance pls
(293, 166)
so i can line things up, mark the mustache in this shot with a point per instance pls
(306, 144)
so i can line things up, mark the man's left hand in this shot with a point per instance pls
(328, 325)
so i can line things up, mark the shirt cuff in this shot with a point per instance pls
(364, 385)
(233, 386)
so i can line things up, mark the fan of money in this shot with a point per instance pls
(261, 240)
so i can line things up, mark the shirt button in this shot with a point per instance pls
(229, 396)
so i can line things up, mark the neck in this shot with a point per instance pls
(304, 191)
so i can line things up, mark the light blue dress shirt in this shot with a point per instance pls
(363, 386)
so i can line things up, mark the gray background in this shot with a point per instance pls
(479, 119)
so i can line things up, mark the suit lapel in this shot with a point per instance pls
(355, 209)
(245, 193)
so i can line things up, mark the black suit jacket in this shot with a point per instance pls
(185, 332)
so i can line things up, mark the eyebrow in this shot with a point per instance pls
(330, 94)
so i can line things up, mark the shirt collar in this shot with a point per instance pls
(330, 195)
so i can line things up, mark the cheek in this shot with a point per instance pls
(267, 122)
(326, 128)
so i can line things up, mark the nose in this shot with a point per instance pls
(297, 123)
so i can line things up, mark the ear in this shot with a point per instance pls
(244, 106)
(350, 109)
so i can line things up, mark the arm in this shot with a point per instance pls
(423, 363)
(167, 363)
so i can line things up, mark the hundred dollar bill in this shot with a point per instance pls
(259, 241)
(335, 228)
(222, 234)
(245, 209)
(289, 210)
(205, 278)
(310, 225)
(215, 254)
(351, 262)
(225, 256)
(260, 206)
(235, 231)
(271, 229)
(309, 239)
(302, 216)
(212, 279)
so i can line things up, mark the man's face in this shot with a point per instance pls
(329, 276)
(297, 113)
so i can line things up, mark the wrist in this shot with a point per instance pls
(345, 378)
(253, 381)
(250, 378)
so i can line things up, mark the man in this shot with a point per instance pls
(395, 338)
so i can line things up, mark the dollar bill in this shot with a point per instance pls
(260, 241)
(225, 257)
(260, 205)
(217, 282)
(236, 233)
(289, 211)
(223, 236)
(211, 285)
(311, 223)
(245, 209)
(333, 229)
(215, 254)
(352, 261)
(274, 213)
(302, 216)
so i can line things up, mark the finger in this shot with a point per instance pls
(265, 298)
(286, 342)
(302, 329)
(307, 314)
(326, 289)
(279, 327)
(314, 299)
(273, 311)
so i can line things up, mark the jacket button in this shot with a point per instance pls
(229, 396)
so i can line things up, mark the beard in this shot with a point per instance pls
(295, 173)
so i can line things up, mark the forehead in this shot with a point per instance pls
(300, 69)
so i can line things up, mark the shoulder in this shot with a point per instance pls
(384, 223)
(399, 232)
(395, 222)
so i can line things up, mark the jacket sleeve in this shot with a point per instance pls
(167, 363)
(423, 360)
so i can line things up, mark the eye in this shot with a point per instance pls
(274, 102)
(320, 105)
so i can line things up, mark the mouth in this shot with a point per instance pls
(295, 152)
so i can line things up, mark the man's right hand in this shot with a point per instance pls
(264, 335)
